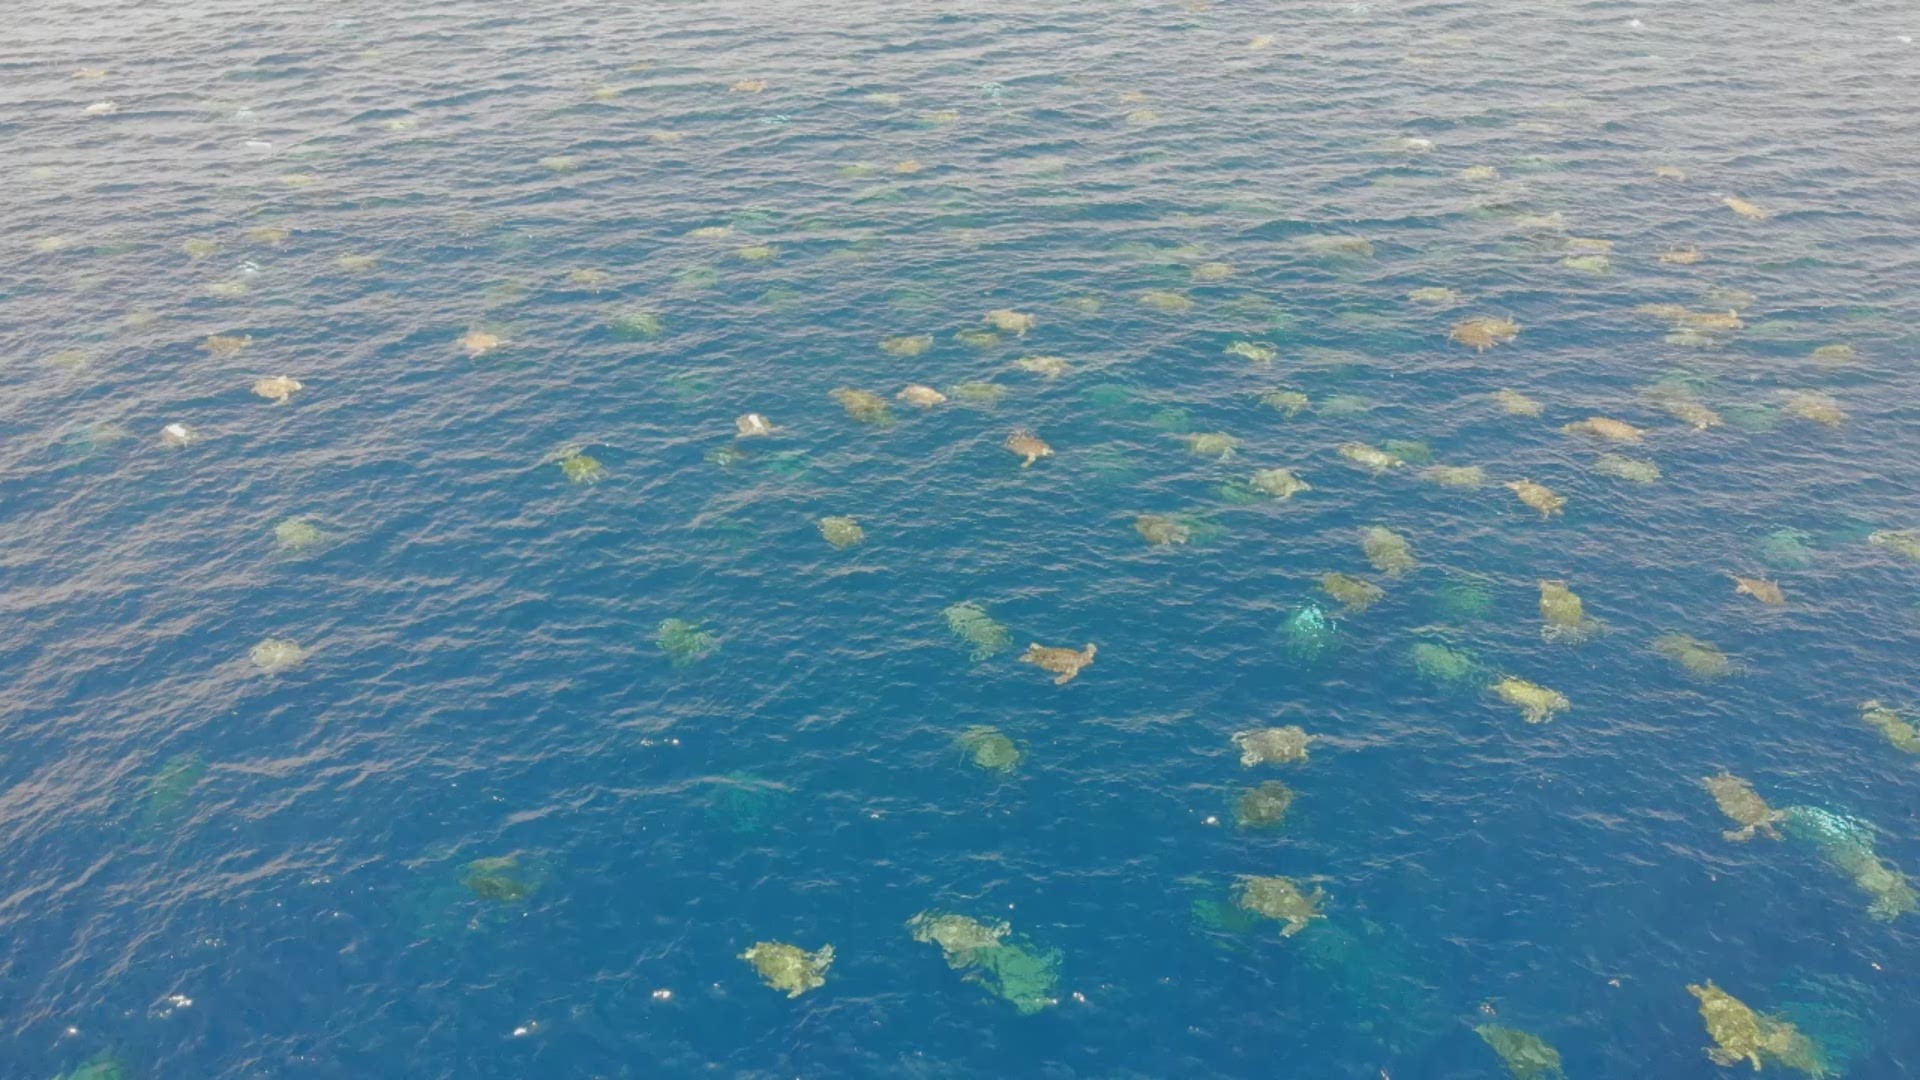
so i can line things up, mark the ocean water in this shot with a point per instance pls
(216, 871)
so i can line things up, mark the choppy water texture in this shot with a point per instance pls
(566, 701)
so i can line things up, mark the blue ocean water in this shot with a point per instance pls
(218, 871)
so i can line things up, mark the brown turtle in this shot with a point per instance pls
(1064, 663)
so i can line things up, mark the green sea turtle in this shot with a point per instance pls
(223, 345)
(1357, 594)
(1278, 483)
(990, 749)
(1699, 657)
(757, 253)
(1387, 550)
(1288, 403)
(977, 339)
(1517, 403)
(176, 435)
(842, 532)
(1565, 614)
(982, 395)
(275, 655)
(1274, 745)
(1588, 264)
(278, 389)
(1436, 296)
(1605, 427)
(498, 879)
(1211, 444)
(1254, 352)
(1064, 663)
(1683, 256)
(1280, 898)
(924, 397)
(1328, 246)
(1895, 727)
(1455, 476)
(1734, 1027)
(297, 534)
(1160, 530)
(1620, 467)
(1172, 303)
(1263, 807)
(1813, 405)
(1484, 332)
(1212, 271)
(789, 967)
(1538, 496)
(1374, 460)
(1905, 542)
(1048, 367)
(1527, 1056)
(1028, 446)
(1767, 592)
(1836, 354)
(971, 623)
(1752, 212)
(588, 278)
(580, 468)
(1536, 703)
(1744, 806)
(864, 406)
(1011, 322)
(357, 264)
(478, 343)
(959, 936)
(684, 642)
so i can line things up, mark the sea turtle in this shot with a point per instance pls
(1689, 411)
(1435, 295)
(1483, 332)
(1538, 496)
(1587, 243)
(478, 343)
(1158, 529)
(275, 655)
(1281, 899)
(1517, 403)
(1526, 1055)
(711, 232)
(1621, 467)
(864, 406)
(1212, 271)
(1605, 427)
(357, 264)
(1356, 593)
(1387, 550)
(1702, 658)
(1374, 460)
(226, 344)
(1744, 806)
(1290, 403)
(296, 534)
(1767, 592)
(959, 936)
(1669, 172)
(1899, 541)
(1815, 406)
(1447, 667)
(990, 749)
(1279, 483)
(1455, 476)
(1588, 264)
(1254, 351)
(1708, 320)
(1011, 322)
(747, 86)
(1211, 444)
(177, 435)
(580, 468)
(1328, 246)
(909, 167)
(977, 339)
(1536, 703)
(1172, 303)
(925, 397)
(789, 967)
(1731, 1024)
(198, 248)
(757, 253)
(1682, 256)
(1029, 446)
(1263, 807)
(588, 278)
(971, 623)
(1479, 173)
(1064, 663)
(498, 878)
(278, 389)
(684, 642)
(1835, 354)
(984, 395)
(1891, 724)
(1050, 367)
(842, 532)
(559, 163)
(1565, 615)
(1751, 212)
(752, 425)
(1272, 746)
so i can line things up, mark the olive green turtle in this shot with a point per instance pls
(1767, 592)
(1605, 427)
(789, 967)
(1621, 467)
(1387, 550)
(1903, 542)
(1215, 444)
(1516, 403)
(1895, 727)
(1264, 806)
(907, 345)
(1483, 332)
(1538, 496)
(1527, 1056)
(922, 397)
(1009, 321)
(842, 532)
(1281, 899)
(1029, 446)
(990, 749)
(1357, 594)
(1535, 702)
(1280, 484)
(1455, 476)
(1160, 530)
(1047, 367)
(1371, 458)
(580, 468)
(1699, 657)
(1734, 1028)
(1273, 745)
(1743, 806)
(297, 534)
(275, 655)
(864, 406)
(1565, 614)
(278, 389)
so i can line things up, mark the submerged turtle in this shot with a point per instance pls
(1517, 403)
(1064, 663)
(842, 532)
(1565, 615)
(789, 967)
(1899, 541)
(978, 394)
(1752, 212)
(226, 344)
(1309, 632)
(1160, 530)
(864, 406)
(581, 468)
(636, 323)
(1744, 806)
(1699, 657)
(1357, 594)
(1436, 295)
(1289, 403)
(1620, 467)
(977, 339)
(478, 343)
(1278, 483)
(1254, 351)
(1049, 367)
(1011, 322)
(752, 425)
(1212, 444)
(297, 534)
(973, 625)
(1538, 496)
(1605, 427)
(1172, 303)
(1337, 247)
(1536, 702)
(1280, 898)
(588, 279)
(1683, 256)
(1212, 271)
(1455, 476)
(907, 344)
(1767, 592)
(1836, 354)
(1483, 332)
(278, 389)
(990, 749)
(1786, 549)
(1374, 460)
(1891, 724)
(1527, 1056)
(924, 397)
(684, 642)
(103, 1066)
(1815, 406)
(275, 655)
(498, 879)
(1029, 446)
(1263, 807)
(1447, 667)
(357, 264)
(1387, 550)
(1272, 746)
